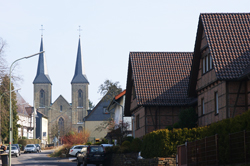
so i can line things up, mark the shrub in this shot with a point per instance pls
(88, 143)
(136, 145)
(126, 144)
(129, 138)
(73, 137)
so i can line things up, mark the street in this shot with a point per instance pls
(41, 159)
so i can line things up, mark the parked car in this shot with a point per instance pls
(74, 150)
(93, 154)
(17, 145)
(38, 147)
(107, 145)
(14, 151)
(30, 148)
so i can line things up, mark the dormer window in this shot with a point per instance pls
(207, 63)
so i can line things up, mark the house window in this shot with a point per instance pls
(61, 125)
(80, 129)
(42, 98)
(202, 106)
(137, 122)
(105, 110)
(44, 134)
(207, 63)
(80, 98)
(60, 108)
(216, 103)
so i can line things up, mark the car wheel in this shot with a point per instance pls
(78, 163)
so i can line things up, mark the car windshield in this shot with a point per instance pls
(96, 149)
(12, 148)
(30, 146)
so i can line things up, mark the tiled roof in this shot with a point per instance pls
(120, 95)
(228, 36)
(161, 78)
(21, 104)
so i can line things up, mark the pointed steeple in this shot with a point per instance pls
(42, 75)
(79, 76)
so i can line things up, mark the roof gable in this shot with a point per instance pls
(61, 99)
(228, 37)
(97, 113)
(160, 78)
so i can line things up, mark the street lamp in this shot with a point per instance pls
(10, 136)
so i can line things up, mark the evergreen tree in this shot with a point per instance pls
(4, 91)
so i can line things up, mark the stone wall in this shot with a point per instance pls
(130, 159)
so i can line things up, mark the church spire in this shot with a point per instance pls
(42, 75)
(79, 76)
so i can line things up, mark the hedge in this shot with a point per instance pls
(163, 143)
(25, 142)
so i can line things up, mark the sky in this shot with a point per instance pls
(110, 30)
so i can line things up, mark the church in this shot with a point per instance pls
(62, 116)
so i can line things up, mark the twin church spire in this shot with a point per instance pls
(42, 75)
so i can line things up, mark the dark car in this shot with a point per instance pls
(19, 151)
(93, 154)
(38, 147)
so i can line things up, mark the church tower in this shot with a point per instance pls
(42, 85)
(79, 85)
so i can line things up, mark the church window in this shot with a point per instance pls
(80, 98)
(80, 116)
(80, 129)
(61, 125)
(60, 108)
(42, 98)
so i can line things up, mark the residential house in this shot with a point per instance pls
(156, 91)
(97, 120)
(42, 128)
(116, 106)
(26, 118)
(219, 76)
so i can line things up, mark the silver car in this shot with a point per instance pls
(30, 148)
(14, 151)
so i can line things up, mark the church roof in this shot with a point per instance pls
(79, 76)
(42, 75)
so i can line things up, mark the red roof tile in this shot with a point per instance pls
(161, 78)
(228, 36)
(120, 95)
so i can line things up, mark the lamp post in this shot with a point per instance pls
(10, 135)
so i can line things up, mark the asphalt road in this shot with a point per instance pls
(41, 159)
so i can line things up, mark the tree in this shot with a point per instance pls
(3, 66)
(188, 118)
(109, 89)
(91, 105)
(4, 87)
